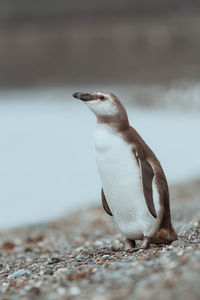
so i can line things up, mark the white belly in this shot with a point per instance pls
(121, 181)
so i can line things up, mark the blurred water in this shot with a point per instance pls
(47, 165)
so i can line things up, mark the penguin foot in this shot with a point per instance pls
(145, 245)
(129, 244)
(133, 250)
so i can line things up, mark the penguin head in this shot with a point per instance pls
(101, 103)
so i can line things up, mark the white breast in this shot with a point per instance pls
(121, 181)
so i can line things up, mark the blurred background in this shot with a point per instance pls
(146, 52)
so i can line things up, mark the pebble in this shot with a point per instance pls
(79, 249)
(140, 268)
(140, 250)
(4, 284)
(105, 256)
(98, 243)
(74, 291)
(116, 241)
(78, 257)
(19, 273)
(94, 270)
(38, 284)
(164, 250)
(60, 272)
(171, 265)
(61, 291)
(48, 272)
(18, 248)
(197, 224)
(180, 253)
(170, 247)
(178, 243)
(3, 289)
(87, 244)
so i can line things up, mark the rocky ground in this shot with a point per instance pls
(83, 257)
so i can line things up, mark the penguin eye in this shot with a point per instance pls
(102, 97)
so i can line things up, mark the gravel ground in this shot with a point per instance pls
(83, 257)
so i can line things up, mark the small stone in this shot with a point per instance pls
(34, 240)
(41, 272)
(164, 250)
(3, 271)
(80, 276)
(60, 272)
(98, 243)
(55, 260)
(178, 243)
(34, 290)
(171, 265)
(94, 270)
(48, 272)
(180, 253)
(17, 241)
(196, 240)
(105, 256)
(3, 289)
(61, 291)
(140, 268)
(197, 224)
(4, 284)
(70, 277)
(79, 249)
(19, 273)
(116, 242)
(170, 247)
(87, 244)
(189, 247)
(150, 263)
(8, 246)
(74, 291)
(19, 249)
(4, 274)
(38, 284)
(117, 247)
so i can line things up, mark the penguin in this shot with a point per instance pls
(134, 187)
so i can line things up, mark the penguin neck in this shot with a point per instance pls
(118, 122)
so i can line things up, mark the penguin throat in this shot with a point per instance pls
(118, 122)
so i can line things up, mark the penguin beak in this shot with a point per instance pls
(85, 96)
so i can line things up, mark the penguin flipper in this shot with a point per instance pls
(105, 204)
(147, 178)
